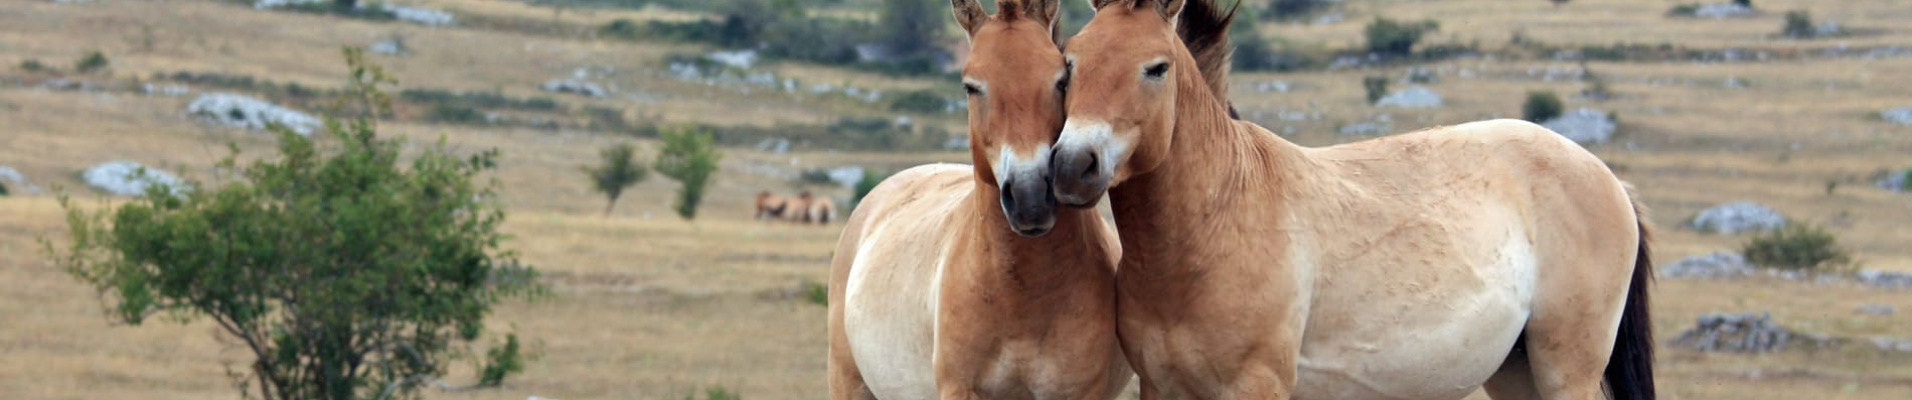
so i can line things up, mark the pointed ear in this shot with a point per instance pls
(1097, 4)
(969, 15)
(1050, 13)
(1170, 10)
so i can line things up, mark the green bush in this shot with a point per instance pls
(1683, 10)
(1542, 106)
(814, 176)
(93, 61)
(618, 170)
(1377, 87)
(34, 66)
(1292, 9)
(348, 268)
(716, 393)
(689, 157)
(1744, 3)
(1799, 25)
(919, 101)
(3, 189)
(816, 293)
(455, 114)
(1796, 246)
(863, 186)
(1396, 38)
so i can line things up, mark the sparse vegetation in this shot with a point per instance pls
(346, 270)
(814, 176)
(1799, 25)
(34, 66)
(816, 293)
(617, 170)
(1542, 106)
(92, 62)
(3, 189)
(1377, 87)
(1292, 9)
(716, 393)
(1396, 38)
(1796, 246)
(863, 186)
(690, 158)
(1252, 52)
(919, 101)
(1597, 88)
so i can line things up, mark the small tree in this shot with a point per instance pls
(93, 61)
(346, 273)
(1390, 37)
(1541, 106)
(1795, 246)
(619, 170)
(1799, 25)
(863, 186)
(689, 157)
(1377, 87)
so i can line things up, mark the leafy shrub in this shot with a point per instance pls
(919, 101)
(1377, 87)
(456, 114)
(501, 361)
(689, 157)
(34, 66)
(1799, 25)
(1542, 106)
(1683, 10)
(3, 189)
(814, 176)
(606, 119)
(618, 170)
(1396, 38)
(349, 261)
(863, 187)
(1291, 9)
(93, 61)
(816, 293)
(1796, 246)
(1744, 3)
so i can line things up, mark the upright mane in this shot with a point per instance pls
(1204, 30)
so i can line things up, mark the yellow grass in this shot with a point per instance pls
(650, 307)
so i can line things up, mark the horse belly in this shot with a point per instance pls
(889, 316)
(1437, 344)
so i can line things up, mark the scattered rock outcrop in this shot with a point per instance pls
(1744, 333)
(1884, 279)
(1584, 126)
(246, 112)
(1737, 217)
(1412, 97)
(1717, 265)
(1901, 116)
(127, 178)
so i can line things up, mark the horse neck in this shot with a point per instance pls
(1073, 251)
(1214, 164)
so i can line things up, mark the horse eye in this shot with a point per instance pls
(1062, 85)
(972, 89)
(1156, 71)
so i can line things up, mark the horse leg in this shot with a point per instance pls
(1514, 380)
(846, 380)
(1570, 337)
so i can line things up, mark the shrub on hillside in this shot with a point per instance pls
(455, 114)
(919, 101)
(1377, 87)
(34, 66)
(1799, 25)
(1542, 106)
(1397, 38)
(1252, 51)
(1795, 246)
(864, 186)
(344, 265)
(1291, 9)
(93, 61)
(3, 189)
(618, 169)
(690, 157)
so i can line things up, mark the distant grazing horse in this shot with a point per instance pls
(966, 282)
(820, 211)
(770, 206)
(1417, 266)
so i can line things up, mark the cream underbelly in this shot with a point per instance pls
(1414, 346)
(889, 317)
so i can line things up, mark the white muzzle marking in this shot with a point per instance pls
(1084, 135)
(1021, 166)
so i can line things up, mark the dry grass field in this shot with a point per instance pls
(646, 306)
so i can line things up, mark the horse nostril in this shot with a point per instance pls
(1089, 173)
(1007, 198)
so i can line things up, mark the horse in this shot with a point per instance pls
(1426, 265)
(821, 211)
(770, 206)
(797, 209)
(967, 282)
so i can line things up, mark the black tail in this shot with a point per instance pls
(1630, 368)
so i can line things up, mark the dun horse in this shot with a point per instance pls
(1418, 266)
(966, 282)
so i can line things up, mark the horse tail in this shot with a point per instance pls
(1629, 372)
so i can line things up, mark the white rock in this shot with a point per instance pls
(241, 111)
(421, 16)
(16, 182)
(1722, 10)
(1364, 128)
(847, 176)
(1737, 217)
(269, 4)
(1412, 97)
(1717, 265)
(127, 178)
(574, 86)
(1584, 126)
(740, 59)
(1901, 116)
(390, 47)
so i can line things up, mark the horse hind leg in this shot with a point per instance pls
(1515, 379)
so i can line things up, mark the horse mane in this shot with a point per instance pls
(1204, 30)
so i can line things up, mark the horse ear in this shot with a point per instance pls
(1170, 9)
(969, 14)
(1098, 4)
(1049, 12)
